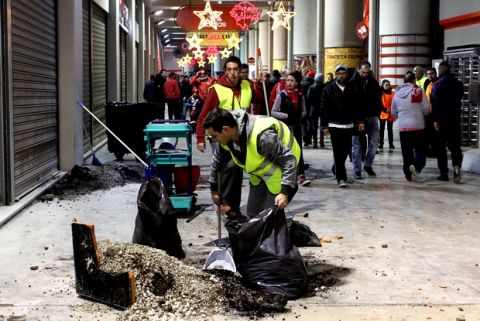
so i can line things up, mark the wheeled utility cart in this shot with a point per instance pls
(169, 158)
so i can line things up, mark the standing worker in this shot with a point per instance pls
(264, 147)
(230, 93)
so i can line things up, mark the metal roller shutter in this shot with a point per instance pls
(95, 71)
(99, 71)
(123, 65)
(35, 106)
(87, 119)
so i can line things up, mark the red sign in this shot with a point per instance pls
(361, 30)
(245, 14)
(251, 60)
(188, 21)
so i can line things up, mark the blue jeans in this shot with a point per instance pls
(371, 129)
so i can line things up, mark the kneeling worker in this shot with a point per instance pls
(264, 147)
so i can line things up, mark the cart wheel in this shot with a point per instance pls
(119, 156)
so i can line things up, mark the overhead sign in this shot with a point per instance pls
(218, 39)
(189, 21)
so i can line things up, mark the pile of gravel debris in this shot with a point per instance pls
(167, 289)
(85, 179)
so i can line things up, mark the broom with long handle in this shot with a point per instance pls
(79, 103)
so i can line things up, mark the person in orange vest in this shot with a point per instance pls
(385, 115)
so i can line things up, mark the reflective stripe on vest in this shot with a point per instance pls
(225, 96)
(256, 164)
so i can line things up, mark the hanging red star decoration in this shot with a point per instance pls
(245, 13)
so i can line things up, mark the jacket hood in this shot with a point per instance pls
(404, 91)
(223, 80)
(243, 120)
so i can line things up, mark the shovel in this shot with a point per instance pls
(220, 259)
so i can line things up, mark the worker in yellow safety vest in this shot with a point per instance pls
(230, 92)
(262, 146)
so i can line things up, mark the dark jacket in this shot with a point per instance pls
(369, 95)
(159, 83)
(314, 98)
(339, 106)
(149, 91)
(446, 100)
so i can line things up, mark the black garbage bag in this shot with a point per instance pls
(265, 256)
(301, 235)
(156, 223)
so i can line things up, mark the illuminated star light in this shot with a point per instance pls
(198, 53)
(208, 18)
(180, 63)
(233, 41)
(194, 41)
(211, 59)
(225, 52)
(201, 63)
(187, 58)
(281, 17)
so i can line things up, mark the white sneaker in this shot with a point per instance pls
(342, 184)
(457, 175)
(414, 172)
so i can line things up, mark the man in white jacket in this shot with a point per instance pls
(410, 106)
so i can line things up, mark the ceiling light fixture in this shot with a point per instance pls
(167, 41)
(166, 36)
(164, 30)
(161, 22)
(158, 12)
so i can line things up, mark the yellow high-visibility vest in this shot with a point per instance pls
(256, 164)
(228, 100)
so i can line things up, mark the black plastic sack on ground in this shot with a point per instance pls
(156, 223)
(265, 256)
(302, 235)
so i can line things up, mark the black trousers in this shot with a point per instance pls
(414, 150)
(174, 109)
(231, 177)
(341, 139)
(389, 131)
(449, 136)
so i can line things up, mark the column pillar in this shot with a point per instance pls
(342, 44)
(373, 35)
(70, 84)
(304, 31)
(141, 76)
(279, 52)
(113, 57)
(320, 38)
(131, 53)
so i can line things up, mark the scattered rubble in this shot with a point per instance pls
(85, 179)
(171, 290)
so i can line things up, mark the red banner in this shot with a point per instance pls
(188, 21)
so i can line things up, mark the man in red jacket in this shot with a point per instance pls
(172, 94)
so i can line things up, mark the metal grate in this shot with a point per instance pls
(466, 69)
